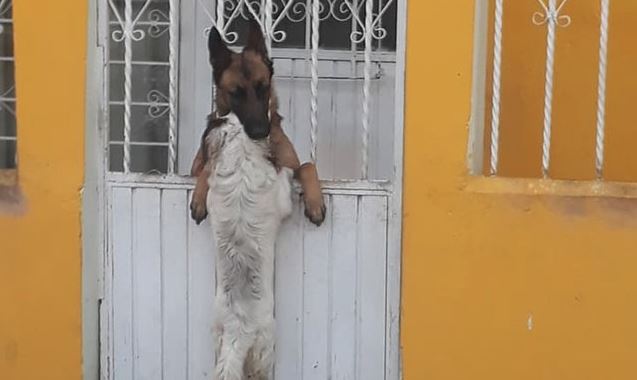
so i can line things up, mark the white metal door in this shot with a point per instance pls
(337, 286)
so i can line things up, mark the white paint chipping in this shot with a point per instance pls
(530, 323)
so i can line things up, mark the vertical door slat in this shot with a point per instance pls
(343, 287)
(316, 243)
(174, 239)
(372, 254)
(121, 235)
(147, 284)
(288, 299)
(201, 293)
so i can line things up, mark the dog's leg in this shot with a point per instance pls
(236, 342)
(285, 156)
(198, 206)
(282, 149)
(201, 168)
(260, 361)
(198, 164)
(312, 194)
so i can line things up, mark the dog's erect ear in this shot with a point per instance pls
(220, 55)
(256, 42)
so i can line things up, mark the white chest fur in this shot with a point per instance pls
(247, 201)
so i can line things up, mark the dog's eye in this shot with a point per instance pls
(238, 92)
(262, 89)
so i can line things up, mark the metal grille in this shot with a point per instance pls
(8, 136)
(150, 60)
(142, 97)
(554, 19)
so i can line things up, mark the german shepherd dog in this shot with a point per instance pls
(244, 87)
(244, 170)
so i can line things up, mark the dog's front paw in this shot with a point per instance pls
(315, 208)
(198, 210)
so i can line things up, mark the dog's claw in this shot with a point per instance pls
(198, 212)
(315, 211)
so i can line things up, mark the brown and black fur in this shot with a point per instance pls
(244, 86)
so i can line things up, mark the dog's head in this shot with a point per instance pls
(243, 80)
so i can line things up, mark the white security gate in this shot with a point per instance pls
(338, 74)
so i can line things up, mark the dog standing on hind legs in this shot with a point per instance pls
(244, 170)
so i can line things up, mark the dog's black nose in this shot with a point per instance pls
(258, 133)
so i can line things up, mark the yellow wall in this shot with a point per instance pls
(40, 266)
(477, 265)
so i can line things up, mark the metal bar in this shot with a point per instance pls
(332, 55)
(144, 23)
(315, 79)
(330, 78)
(128, 68)
(139, 143)
(268, 24)
(495, 102)
(141, 63)
(173, 57)
(308, 27)
(281, 35)
(5, 5)
(353, 45)
(601, 89)
(220, 23)
(552, 18)
(548, 88)
(121, 103)
(380, 4)
(220, 16)
(369, 7)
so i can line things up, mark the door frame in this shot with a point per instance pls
(95, 279)
(93, 197)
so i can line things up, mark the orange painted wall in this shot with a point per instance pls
(40, 252)
(476, 266)
(575, 95)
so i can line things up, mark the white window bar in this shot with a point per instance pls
(130, 31)
(369, 9)
(371, 29)
(173, 84)
(279, 35)
(128, 34)
(495, 102)
(5, 5)
(353, 48)
(315, 78)
(220, 16)
(601, 89)
(267, 26)
(552, 18)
